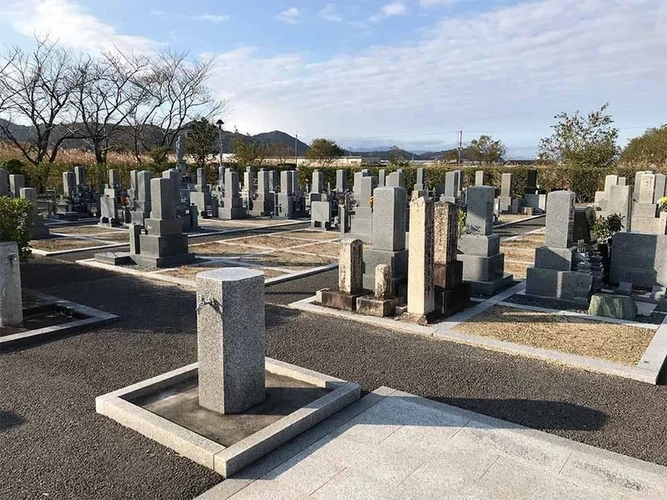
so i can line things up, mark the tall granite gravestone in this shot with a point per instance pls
(396, 179)
(69, 183)
(452, 185)
(532, 198)
(201, 196)
(644, 210)
(637, 185)
(163, 243)
(350, 272)
(620, 202)
(108, 202)
(263, 204)
(4, 182)
(11, 301)
(419, 189)
(231, 339)
(38, 231)
(16, 183)
(388, 239)
(361, 223)
(382, 177)
(660, 187)
(142, 204)
(479, 178)
(80, 175)
(554, 274)
(505, 205)
(421, 290)
(341, 181)
(483, 263)
(451, 293)
(232, 203)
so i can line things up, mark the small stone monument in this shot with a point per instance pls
(263, 204)
(231, 339)
(11, 302)
(16, 183)
(483, 262)
(350, 272)
(232, 203)
(505, 201)
(555, 274)
(38, 231)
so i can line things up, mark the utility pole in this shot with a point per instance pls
(460, 147)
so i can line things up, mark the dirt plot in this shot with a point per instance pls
(573, 335)
(325, 249)
(59, 244)
(190, 272)
(505, 218)
(289, 260)
(522, 249)
(518, 269)
(306, 234)
(115, 236)
(266, 242)
(216, 249)
(80, 230)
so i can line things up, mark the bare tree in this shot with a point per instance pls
(35, 89)
(174, 91)
(105, 98)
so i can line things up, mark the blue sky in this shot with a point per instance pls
(383, 72)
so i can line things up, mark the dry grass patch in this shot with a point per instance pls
(216, 249)
(518, 269)
(573, 335)
(267, 242)
(115, 236)
(77, 230)
(59, 244)
(306, 234)
(191, 272)
(325, 249)
(505, 218)
(288, 260)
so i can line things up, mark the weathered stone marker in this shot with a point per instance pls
(11, 301)
(231, 339)
(350, 266)
(421, 297)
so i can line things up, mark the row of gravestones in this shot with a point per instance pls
(13, 185)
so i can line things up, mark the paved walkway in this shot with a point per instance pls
(400, 446)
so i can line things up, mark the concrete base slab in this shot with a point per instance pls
(166, 409)
(392, 444)
(488, 288)
(114, 258)
(373, 306)
(340, 300)
(168, 261)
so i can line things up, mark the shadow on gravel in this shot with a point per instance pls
(537, 414)
(9, 419)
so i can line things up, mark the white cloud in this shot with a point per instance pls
(431, 3)
(70, 24)
(329, 13)
(504, 72)
(211, 18)
(289, 16)
(389, 10)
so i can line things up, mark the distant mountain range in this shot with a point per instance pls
(283, 143)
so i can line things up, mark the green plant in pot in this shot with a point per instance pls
(604, 229)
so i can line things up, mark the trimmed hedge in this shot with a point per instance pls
(16, 222)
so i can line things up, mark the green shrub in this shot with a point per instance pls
(15, 223)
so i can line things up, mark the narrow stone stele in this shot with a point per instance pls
(349, 277)
(421, 296)
(11, 302)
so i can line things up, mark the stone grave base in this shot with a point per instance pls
(114, 258)
(46, 317)
(449, 302)
(372, 306)
(167, 261)
(166, 409)
(233, 213)
(488, 288)
(340, 300)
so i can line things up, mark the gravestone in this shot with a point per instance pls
(483, 263)
(341, 181)
(555, 274)
(451, 294)
(263, 204)
(69, 183)
(638, 258)
(421, 290)
(660, 186)
(11, 301)
(232, 203)
(382, 177)
(16, 183)
(4, 182)
(350, 272)
(620, 202)
(506, 192)
(142, 203)
(451, 187)
(361, 222)
(231, 339)
(419, 187)
(584, 218)
(388, 238)
(644, 210)
(396, 179)
(479, 178)
(637, 185)
(163, 243)
(38, 231)
(80, 175)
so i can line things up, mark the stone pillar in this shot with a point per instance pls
(69, 183)
(531, 184)
(506, 191)
(201, 180)
(144, 190)
(114, 178)
(80, 175)
(446, 235)
(231, 339)
(451, 186)
(396, 179)
(273, 181)
(221, 176)
(317, 182)
(175, 176)
(350, 267)
(11, 301)
(382, 281)
(660, 185)
(134, 184)
(620, 202)
(4, 182)
(421, 292)
(16, 183)
(286, 186)
(646, 188)
(638, 178)
(382, 178)
(479, 219)
(419, 185)
(163, 206)
(560, 219)
(479, 178)
(341, 181)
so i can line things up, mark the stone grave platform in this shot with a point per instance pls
(166, 409)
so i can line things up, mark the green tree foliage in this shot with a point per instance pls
(485, 150)
(582, 141)
(159, 155)
(397, 159)
(202, 141)
(15, 223)
(248, 151)
(649, 148)
(324, 151)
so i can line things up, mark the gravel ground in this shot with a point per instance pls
(53, 442)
